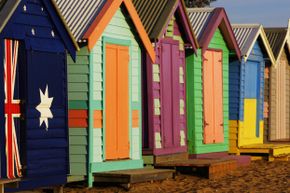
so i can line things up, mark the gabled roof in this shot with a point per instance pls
(205, 21)
(156, 15)
(79, 14)
(88, 19)
(9, 6)
(278, 37)
(6, 11)
(247, 35)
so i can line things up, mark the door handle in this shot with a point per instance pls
(222, 124)
(205, 123)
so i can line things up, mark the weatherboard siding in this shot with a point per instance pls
(237, 122)
(235, 70)
(158, 137)
(266, 102)
(78, 92)
(118, 30)
(78, 80)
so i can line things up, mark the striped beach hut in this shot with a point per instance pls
(277, 88)
(33, 93)
(104, 86)
(164, 113)
(247, 86)
(207, 83)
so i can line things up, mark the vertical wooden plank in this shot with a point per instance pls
(123, 147)
(218, 98)
(250, 123)
(273, 106)
(266, 102)
(111, 101)
(175, 114)
(208, 97)
(280, 132)
(167, 98)
(287, 128)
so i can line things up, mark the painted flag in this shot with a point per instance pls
(46, 142)
(11, 110)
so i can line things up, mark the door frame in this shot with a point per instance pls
(203, 92)
(108, 40)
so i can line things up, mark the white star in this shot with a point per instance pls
(44, 108)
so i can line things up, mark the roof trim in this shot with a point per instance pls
(260, 33)
(187, 25)
(104, 17)
(267, 45)
(220, 19)
(179, 6)
(65, 25)
(164, 19)
(7, 12)
(286, 40)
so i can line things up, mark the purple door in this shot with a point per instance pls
(170, 115)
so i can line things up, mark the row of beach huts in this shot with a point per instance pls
(95, 88)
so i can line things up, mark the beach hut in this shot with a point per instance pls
(247, 86)
(104, 86)
(277, 88)
(164, 113)
(207, 83)
(33, 123)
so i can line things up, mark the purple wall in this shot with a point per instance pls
(169, 91)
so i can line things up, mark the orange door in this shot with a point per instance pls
(213, 97)
(117, 102)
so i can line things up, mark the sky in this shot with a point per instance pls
(270, 13)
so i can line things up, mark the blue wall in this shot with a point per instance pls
(237, 84)
(44, 152)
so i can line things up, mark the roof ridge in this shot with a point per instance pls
(245, 25)
(203, 9)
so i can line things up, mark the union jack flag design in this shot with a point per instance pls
(12, 109)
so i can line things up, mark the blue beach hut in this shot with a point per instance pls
(33, 93)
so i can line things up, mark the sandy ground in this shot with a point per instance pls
(259, 177)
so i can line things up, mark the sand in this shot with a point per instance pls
(259, 177)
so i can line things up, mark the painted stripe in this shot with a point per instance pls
(98, 119)
(135, 118)
(77, 114)
(78, 118)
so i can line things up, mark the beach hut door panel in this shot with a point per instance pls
(251, 115)
(117, 102)
(12, 109)
(213, 97)
(170, 123)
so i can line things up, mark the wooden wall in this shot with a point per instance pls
(78, 96)
(280, 100)
(195, 100)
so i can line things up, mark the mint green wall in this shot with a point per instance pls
(119, 31)
(86, 89)
(195, 99)
(78, 80)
